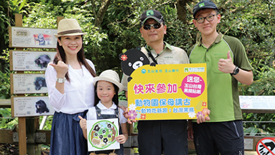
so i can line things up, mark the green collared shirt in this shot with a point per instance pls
(223, 95)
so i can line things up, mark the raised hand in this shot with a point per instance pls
(61, 68)
(83, 123)
(226, 65)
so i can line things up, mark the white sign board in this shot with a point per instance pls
(31, 106)
(28, 83)
(257, 102)
(101, 134)
(248, 143)
(30, 61)
(32, 37)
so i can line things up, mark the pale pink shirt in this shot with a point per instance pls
(79, 92)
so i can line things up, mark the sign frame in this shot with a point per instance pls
(30, 60)
(22, 87)
(32, 37)
(181, 103)
(22, 106)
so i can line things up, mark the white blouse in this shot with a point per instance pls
(91, 114)
(79, 92)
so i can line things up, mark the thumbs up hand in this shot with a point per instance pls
(226, 65)
(83, 123)
(61, 68)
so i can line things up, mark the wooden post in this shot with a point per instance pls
(27, 127)
(21, 120)
(22, 135)
(32, 124)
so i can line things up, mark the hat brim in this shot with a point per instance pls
(152, 17)
(204, 7)
(71, 34)
(119, 85)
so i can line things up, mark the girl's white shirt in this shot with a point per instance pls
(91, 114)
(79, 92)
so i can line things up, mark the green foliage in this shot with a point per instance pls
(258, 128)
(121, 96)
(266, 83)
(5, 78)
(48, 123)
(253, 23)
(6, 122)
(5, 85)
(264, 86)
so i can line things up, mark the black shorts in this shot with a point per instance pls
(167, 136)
(214, 138)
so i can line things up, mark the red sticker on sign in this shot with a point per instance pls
(266, 146)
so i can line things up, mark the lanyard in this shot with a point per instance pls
(150, 55)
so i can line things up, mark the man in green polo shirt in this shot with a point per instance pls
(167, 136)
(227, 64)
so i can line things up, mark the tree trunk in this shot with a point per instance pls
(101, 12)
(181, 8)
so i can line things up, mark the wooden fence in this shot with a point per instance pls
(43, 136)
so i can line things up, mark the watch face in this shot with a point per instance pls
(60, 80)
(236, 71)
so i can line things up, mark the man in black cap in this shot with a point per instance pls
(167, 136)
(227, 64)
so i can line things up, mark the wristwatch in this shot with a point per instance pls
(235, 71)
(61, 80)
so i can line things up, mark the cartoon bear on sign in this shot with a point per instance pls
(131, 60)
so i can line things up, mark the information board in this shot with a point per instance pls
(31, 106)
(28, 83)
(257, 102)
(30, 60)
(32, 37)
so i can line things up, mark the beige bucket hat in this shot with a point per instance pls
(110, 76)
(68, 27)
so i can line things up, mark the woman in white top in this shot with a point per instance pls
(107, 87)
(70, 88)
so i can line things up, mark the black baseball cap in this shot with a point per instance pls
(154, 14)
(205, 4)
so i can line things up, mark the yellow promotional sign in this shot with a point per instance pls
(162, 92)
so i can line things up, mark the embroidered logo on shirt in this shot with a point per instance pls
(167, 57)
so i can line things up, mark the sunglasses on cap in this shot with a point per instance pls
(148, 26)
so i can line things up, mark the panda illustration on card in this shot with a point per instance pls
(133, 59)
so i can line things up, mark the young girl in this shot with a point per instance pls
(107, 87)
(69, 81)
